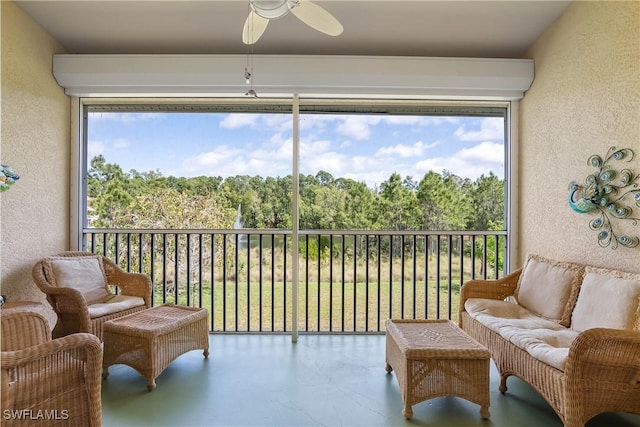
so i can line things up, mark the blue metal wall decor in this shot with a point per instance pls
(611, 194)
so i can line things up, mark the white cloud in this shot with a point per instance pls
(403, 150)
(334, 163)
(210, 160)
(485, 152)
(339, 145)
(468, 162)
(314, 148)
(238, 120)
(278, 122)
(357, 127)
(491, 128)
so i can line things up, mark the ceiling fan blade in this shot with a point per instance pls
(254, 27)
(317, 18)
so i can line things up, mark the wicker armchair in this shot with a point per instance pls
(47, 382)
(78, 287)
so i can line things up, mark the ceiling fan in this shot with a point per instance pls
(262, 11)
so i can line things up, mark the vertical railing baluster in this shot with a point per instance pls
(390, 276)
(379, 309)
(260, 290)
(176, 270)
(462, 270)
(284, 287)
(224, 282)
(473, 257)
(117, 249)
(140, 258)
(449, 274)
(306, 283)
(438, 260)
(461, 263)
(330, 282)
(273, 281)
(355, 283)
(426, 276)
(200, 272)
(104, 244)
(366, 283)
(235, 292)
(188, 281)
(414, 256)
(319, 282)
(128, 252)
(248, 282)
(497, 257)
(342, 299)
(164, 268)
(152, 246)
(213, 281)
(484, 257)
(402, 275)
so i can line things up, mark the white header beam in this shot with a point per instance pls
(283, 75)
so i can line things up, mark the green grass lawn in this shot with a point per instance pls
(337, 307)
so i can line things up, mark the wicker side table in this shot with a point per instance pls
(434, 358)
(149, 340)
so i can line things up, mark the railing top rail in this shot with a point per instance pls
(301, 232)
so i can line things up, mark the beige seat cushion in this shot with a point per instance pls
(548, 288)
(607, 299)
(506, 317)
(85, 274)
(544, 339)
(115, 304)
(548, 346)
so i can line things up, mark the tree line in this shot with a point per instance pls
(438, 201)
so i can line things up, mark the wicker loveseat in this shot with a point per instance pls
(79, 285)
(571, 331)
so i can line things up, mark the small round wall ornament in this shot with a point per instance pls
(611, 193)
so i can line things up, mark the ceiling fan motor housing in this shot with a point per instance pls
(272, 9)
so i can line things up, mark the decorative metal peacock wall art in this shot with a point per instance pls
(8, 177)
(610, 193)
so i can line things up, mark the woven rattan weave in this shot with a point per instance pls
(150, 340)
(47, 382)
(602, 371)
(434, 358)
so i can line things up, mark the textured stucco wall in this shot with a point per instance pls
(585, 98)
(35, 133)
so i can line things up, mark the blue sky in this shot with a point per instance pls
(366, 148)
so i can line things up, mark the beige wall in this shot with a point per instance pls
(585, 98)
(35, 133)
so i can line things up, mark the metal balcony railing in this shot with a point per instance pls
(349, 281)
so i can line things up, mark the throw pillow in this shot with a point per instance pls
(85, 273)
(607, 299)
(549, 288)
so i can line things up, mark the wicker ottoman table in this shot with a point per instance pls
(434, 358)
(149, 340)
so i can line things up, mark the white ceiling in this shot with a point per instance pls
(453, 28)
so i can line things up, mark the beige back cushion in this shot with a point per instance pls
(549, 288)
(85, 274)
(607, 299)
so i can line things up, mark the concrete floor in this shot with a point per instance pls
(322, 380)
